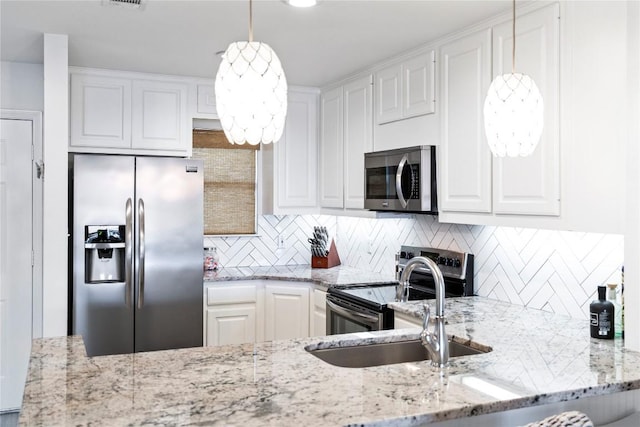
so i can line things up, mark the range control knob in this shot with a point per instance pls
(403, 254)
(457, 263)
(410, 255)
(449, 262)
(441, 260)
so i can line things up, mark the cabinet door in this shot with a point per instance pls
(100, 112)
(531, 185)
(358, 129)
(331, 149)
(419, 85)
(206, 102)
(319, 313)
(389, 94)
(159, 116)
(296, 155)
(402, 321)
(231, 324)
(286, 312)
(465, 158)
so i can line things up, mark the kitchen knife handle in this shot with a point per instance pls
(140, 253)
(401, 166)
(128, 257)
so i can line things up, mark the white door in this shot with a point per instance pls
(531, 185)
(286, 312)
(331, 149)
(16, 245)
(231, 324)
(465, 158)
(358, 138)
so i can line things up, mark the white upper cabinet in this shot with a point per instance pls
(159, 112)
(206, 101)
(128, 113)
(465, 158)
(531, 185)
(471, 179)
(100, 111)
(388, 94)
(331, 149)
(295, 155)
(406, 89)
(419, 85)
(358, 138)
(346, 134)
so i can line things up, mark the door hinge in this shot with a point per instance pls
(40, 169)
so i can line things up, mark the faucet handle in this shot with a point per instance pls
(426, 315)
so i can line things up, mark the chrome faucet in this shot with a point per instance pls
(435, 342)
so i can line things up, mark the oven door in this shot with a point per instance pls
(344, 317)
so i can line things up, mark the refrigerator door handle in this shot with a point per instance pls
(128, 258)
(140, 253)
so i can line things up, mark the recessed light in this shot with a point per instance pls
(302, 3)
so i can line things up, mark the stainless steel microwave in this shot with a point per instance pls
(401, 180)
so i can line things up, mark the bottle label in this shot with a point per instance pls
(594, 319)
(604, 324)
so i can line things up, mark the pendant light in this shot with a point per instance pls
(513, 111)
(251, 92)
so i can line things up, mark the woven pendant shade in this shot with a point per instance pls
(513, 115)
(251, 94)
(513, 110)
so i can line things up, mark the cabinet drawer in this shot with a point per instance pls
(231, 294)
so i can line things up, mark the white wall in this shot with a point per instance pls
(593, 102)
(632, 236)
(22, 86)
(56, 143)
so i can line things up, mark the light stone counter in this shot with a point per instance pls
(537, 358)
(321, 277)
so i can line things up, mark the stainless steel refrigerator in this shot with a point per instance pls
(137, 253)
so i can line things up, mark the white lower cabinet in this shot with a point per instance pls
(403, 321)
(319, 313)
(286, 311)
(230, 314)
(247, 311)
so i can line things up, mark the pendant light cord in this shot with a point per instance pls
(513, 51)
(251, 20)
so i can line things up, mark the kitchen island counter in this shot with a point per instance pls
(537, 358)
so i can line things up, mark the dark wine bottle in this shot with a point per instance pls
(602, 316)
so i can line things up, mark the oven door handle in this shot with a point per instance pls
(348, 313)
(401, 165)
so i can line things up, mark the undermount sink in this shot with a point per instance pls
(363, 356)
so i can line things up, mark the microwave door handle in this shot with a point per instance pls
(401, 165)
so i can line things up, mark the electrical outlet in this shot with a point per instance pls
(281, 244)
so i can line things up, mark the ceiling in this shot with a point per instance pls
(316, 45)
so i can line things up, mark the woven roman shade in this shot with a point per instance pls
(229, 183)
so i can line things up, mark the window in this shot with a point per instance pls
(229, 183)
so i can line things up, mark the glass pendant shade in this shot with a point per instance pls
(251, 93)
(513, 115)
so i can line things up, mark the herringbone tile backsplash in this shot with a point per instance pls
(556, 271)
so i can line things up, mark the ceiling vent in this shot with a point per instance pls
(134, 4)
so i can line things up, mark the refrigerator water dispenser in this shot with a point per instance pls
(104, 250)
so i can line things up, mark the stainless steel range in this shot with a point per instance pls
(364, 308)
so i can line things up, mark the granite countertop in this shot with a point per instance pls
(536, 358)
(321, 277)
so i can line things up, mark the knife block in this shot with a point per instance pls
(331, 260)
